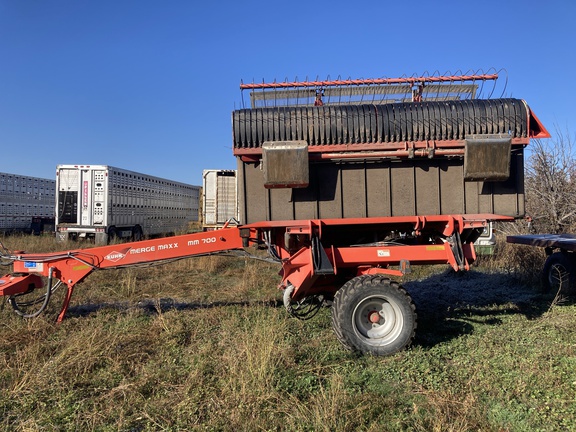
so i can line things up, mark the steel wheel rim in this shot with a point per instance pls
(389, 325)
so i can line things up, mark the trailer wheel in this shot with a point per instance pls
(112, 234)
(137, 233)
(373, 315)
(559, 273)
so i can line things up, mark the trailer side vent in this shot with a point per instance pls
(487, 157)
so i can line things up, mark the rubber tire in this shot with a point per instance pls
(112, 234)
(357, 299)
(137, 233)
(559, 268)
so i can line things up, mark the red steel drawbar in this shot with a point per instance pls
(315, 255)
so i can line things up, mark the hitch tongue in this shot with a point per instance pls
(19, 284)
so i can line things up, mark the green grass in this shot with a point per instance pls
(203, 344)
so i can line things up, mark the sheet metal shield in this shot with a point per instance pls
(487, 157)
(285, 164)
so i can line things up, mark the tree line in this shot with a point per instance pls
(550, 185)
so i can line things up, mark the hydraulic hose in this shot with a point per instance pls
(45, 299)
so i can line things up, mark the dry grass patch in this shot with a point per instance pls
(203, 344)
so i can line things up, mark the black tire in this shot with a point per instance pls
(137, 233)
(559, 273)
(373, 315)
(112, 234)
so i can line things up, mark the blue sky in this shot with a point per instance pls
(149, 85)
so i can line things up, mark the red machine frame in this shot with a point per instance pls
(347, 262)
(314, 258)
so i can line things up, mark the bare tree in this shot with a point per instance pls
(551, 184)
